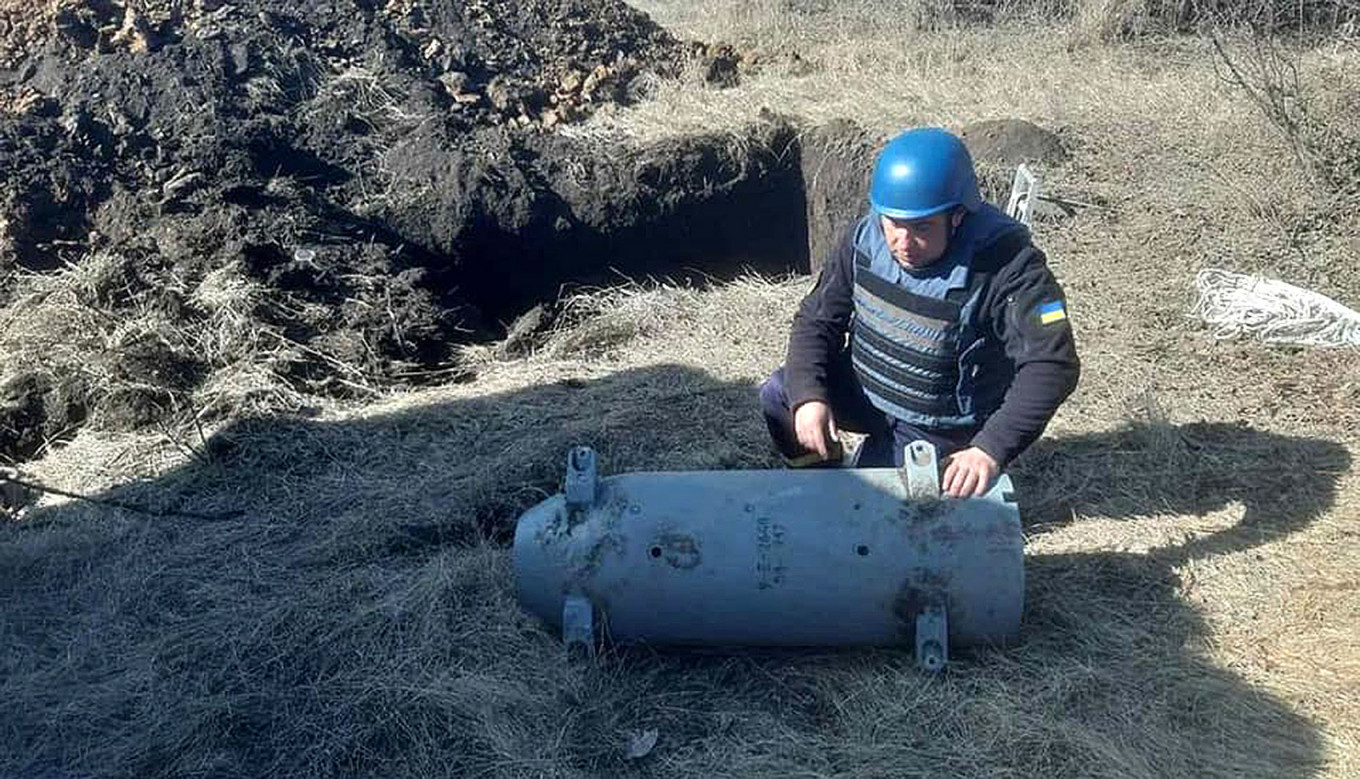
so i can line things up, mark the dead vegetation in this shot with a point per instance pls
(359, 616)
(1192, 603)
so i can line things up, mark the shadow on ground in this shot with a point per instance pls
(356, 616)
(1145, 469)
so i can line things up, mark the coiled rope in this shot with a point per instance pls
(1236, 304)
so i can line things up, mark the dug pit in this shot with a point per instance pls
(335, 195)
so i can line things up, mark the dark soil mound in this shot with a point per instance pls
(1012, 142)
(265, 130)
(384, 175)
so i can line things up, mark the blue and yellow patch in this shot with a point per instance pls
(1052, 311)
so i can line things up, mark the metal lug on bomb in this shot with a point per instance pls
(849, 557)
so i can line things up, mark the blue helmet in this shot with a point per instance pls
(923, 172)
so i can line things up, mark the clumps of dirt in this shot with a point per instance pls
(146, 375)
(330, 196)
(59, 166)
(533, 61)
(36, 409)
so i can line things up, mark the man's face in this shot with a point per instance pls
(916, 243)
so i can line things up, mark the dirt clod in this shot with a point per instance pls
(36, 410)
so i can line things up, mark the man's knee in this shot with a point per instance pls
(774, 399)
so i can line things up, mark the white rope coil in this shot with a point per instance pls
(1236, 304)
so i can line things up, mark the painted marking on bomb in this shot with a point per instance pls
(770, 569)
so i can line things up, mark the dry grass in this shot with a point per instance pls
(356, 617)
(1192, 605)
(786, 22)
(114, 336)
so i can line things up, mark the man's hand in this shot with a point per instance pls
(969, 473)
(816, 428)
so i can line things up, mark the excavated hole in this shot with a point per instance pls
(692, 220)
(698, 210)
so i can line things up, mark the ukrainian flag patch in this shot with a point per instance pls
(1052, 311)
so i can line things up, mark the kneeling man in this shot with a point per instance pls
(935, 318)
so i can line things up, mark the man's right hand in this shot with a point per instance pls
(816, 428)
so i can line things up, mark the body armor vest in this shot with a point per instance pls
(915, 342)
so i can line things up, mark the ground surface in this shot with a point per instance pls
(333, 191)
(338, 599)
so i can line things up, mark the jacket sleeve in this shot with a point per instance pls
(820, 325)
(1029, 317)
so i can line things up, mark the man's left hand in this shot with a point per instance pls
(969, 473)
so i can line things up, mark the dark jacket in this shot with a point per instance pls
(1019, 314)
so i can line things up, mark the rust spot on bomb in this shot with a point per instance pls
(922, 588)
(679, 551)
